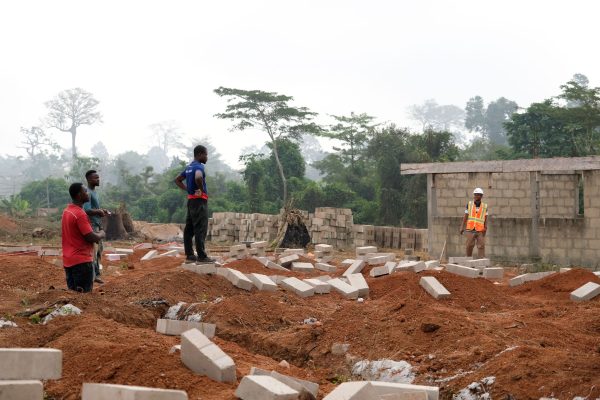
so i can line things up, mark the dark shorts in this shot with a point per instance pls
(80, 277)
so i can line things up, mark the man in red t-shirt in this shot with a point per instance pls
(78, 240)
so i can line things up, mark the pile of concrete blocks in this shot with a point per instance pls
(233, 227)
(323, 252)
(201, 269)
(258, 249)
(203, 357)
(103, 391)
(434, 287)
(534, 276)
(382, 390)
(22, 371)
(364, 235)
(331, 226)
(586, 292)
(271, 385)
(175, 327)
(413, 266)
(346, 290)
(484, 265)
(238, 251)
(421, 239)
(286, 261)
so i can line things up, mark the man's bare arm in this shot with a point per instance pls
(179, 182)
(93, 237)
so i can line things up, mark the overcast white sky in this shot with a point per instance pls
(148, 61)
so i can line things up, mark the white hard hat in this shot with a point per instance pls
(478, 191)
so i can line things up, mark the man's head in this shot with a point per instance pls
(93, 179)
(477, 194)
(79, 193)
(200, 154)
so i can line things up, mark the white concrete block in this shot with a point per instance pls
(149, 255)
(431, 264)
(300, 385)
(493, 273)
(563, 270)
(263, 282)
(176, 327)
(325, 248)
(377, 260)
(258, 245)
(434, 287)
(276, 267)
(105, 391)
(263, 260)
(325, 267)
(346, 290)
(201, 269)
(517, 280)
(124, 251)
(586, 292)
(143, 246)
(324, 259)
(302, 267)
(323, 278)
(358, 281)
(380, 271)
(169, 253)
(458, 260)
(521, 279)
(115, 256)
(361, 390)
(30, 363)
(204, 357)
(320, 286)
(391, 266)
(295, 285)
(462, 271)
(597, 273)
(356, 267)
(287, 261)
(21, 390)
(288, 252)
(478, 263)
(223, 271)
(263, 387)
(365, 250)
(239, 279)
(237, 248)
(348, 262)
(383, 388)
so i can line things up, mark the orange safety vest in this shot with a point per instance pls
(476, 219)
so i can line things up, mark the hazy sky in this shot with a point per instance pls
(148, 61)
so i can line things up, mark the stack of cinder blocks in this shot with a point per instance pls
(258, 249)
(332, 226)
(22, 372)
(238, 251)
(323, 252)
(234, 227)
(364, 235)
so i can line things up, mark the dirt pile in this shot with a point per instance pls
(532, 339)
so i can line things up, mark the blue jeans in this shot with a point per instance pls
(80, 277)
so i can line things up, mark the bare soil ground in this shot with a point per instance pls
(532, 338)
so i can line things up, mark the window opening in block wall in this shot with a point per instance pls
(580, 188)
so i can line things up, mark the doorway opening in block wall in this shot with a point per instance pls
(580, 188)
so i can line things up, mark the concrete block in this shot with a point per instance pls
(325, 267)
(115, 256)
(586, 292)
(263, 282)
(31, 363)
(149, 255)
(142, 246)
(434, 287)
(258, 245)
(21, 390)
(104, 391)
(361, 390)
(479, 263)
(320, 286)
(358, 281)
(295, 285)
(323, 278)
(356, 267)
(431, 264)
(124, 251)
(383, 388)
(303, 386)
(377, 260)
(521, 279)
(347, 262)
(239, 279)
(176, 327)
(365, 250)
(204, 357)
(201, 269)
(302, 267)
(262, 387)
(263, 260)
(224, 272)
(462, 271)
(458, 260)
(169, 253)
(237, 248)
(288, 252)
(326, 248)
(346, 290)
(276, 267)
(597, 273)
(287, 261)
(405, 396)
(380, 271)
(324, 259)
(517, 280)
(493, 273)
(563, 270)
(417, 266)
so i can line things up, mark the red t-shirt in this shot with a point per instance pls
(75, 225)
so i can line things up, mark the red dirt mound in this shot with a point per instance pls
(559, 285)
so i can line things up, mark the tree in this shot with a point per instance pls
(490, 120)
(100, 152)
(271, 113)
(475, 115)
(70, 109)
(15, 206)
(167, 136)
(353, 133)
(431, 115)
(37, 142)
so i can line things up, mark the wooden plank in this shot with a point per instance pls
(528, 165)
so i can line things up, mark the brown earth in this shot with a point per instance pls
(532, 338)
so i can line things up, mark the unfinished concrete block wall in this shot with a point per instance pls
(534, 208)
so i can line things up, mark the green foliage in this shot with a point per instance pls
(50, 192)
(15, 206)
(490, 120)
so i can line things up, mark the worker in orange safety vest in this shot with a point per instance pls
(474, 224)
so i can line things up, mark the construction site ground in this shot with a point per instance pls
(532, 338)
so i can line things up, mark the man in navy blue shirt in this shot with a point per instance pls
(196, 222)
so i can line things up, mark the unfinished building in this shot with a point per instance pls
(542, 209)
